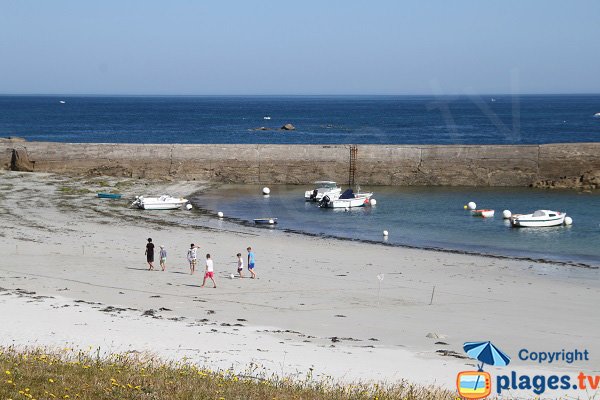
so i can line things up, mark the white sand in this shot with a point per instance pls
(77, 247)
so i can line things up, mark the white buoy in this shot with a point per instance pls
(568, 221)
(220, 214)
(506, 214)
(231, 276)
(266, 190)
(472, 205)
(385, 233)
(188, 207)
(271, 222)
(373, 202)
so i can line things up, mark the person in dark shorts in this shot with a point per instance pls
(251, 262)
(150, 254)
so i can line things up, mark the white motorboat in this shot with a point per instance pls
(348, 199)
(164, 202)
(597, 115)
(540, 218)
(323, 188)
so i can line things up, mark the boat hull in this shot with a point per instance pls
(109, 196)
(360, 201)
(483, 213)
(527, 221)
(159, 203)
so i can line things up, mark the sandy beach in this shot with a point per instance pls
(74, 275)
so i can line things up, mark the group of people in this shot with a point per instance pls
(192, 257)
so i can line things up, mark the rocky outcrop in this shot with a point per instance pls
(589, 180)
(288, 127)
(20, 160)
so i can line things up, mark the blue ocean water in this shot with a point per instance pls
(500, 119)
(430, 217)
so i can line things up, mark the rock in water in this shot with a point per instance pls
(288, 127)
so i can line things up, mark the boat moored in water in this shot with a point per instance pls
(265, 221)
(483, 213)
(348, 199)
(538, 219)
(164, 202)
(323, 188)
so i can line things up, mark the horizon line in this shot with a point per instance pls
(302, 94)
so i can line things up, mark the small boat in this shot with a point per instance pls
(597, 115)
(164, 202)
(62, 102)
(265, 221)
(348, 199)
(483, 213)
(266, 117)
(109, 195)
(539, 218)
(323, 188)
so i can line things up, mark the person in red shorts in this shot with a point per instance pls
(209, 271)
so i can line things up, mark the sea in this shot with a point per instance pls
(431, 217)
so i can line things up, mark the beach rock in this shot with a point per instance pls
(434, 335)
(20, 161)
(288, 127)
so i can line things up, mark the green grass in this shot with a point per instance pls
(37, 374)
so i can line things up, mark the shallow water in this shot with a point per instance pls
(430, 217)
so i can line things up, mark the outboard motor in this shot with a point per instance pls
(324, 201)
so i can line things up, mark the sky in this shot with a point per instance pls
(309, 47)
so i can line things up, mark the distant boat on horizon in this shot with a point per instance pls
(597, 115)
(266, 117)
(62, 102)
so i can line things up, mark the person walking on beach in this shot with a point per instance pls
(209, 272)
(240, 264)
(162, 255)
(150, 254)
(192, 256)
(251, 262)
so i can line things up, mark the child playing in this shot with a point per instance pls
(251, 262)
(240, 264)
(192, 255)
(163, 257)
(209, 272)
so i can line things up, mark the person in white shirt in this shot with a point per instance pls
(209, 271)
(192, 256)
(240, 264)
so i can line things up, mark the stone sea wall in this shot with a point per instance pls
(575, 165)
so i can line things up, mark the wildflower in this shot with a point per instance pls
(7, 372)
(50, 380)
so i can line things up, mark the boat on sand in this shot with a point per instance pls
(164, 202)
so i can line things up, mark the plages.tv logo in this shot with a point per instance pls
(478, 384)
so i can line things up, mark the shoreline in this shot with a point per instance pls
(323, 289)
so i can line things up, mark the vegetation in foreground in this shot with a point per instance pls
(38, 374)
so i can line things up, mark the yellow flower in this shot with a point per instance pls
(50, 380)
(7, 372)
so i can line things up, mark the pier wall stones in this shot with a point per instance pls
(572, 165)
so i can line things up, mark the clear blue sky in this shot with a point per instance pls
(299, 47)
